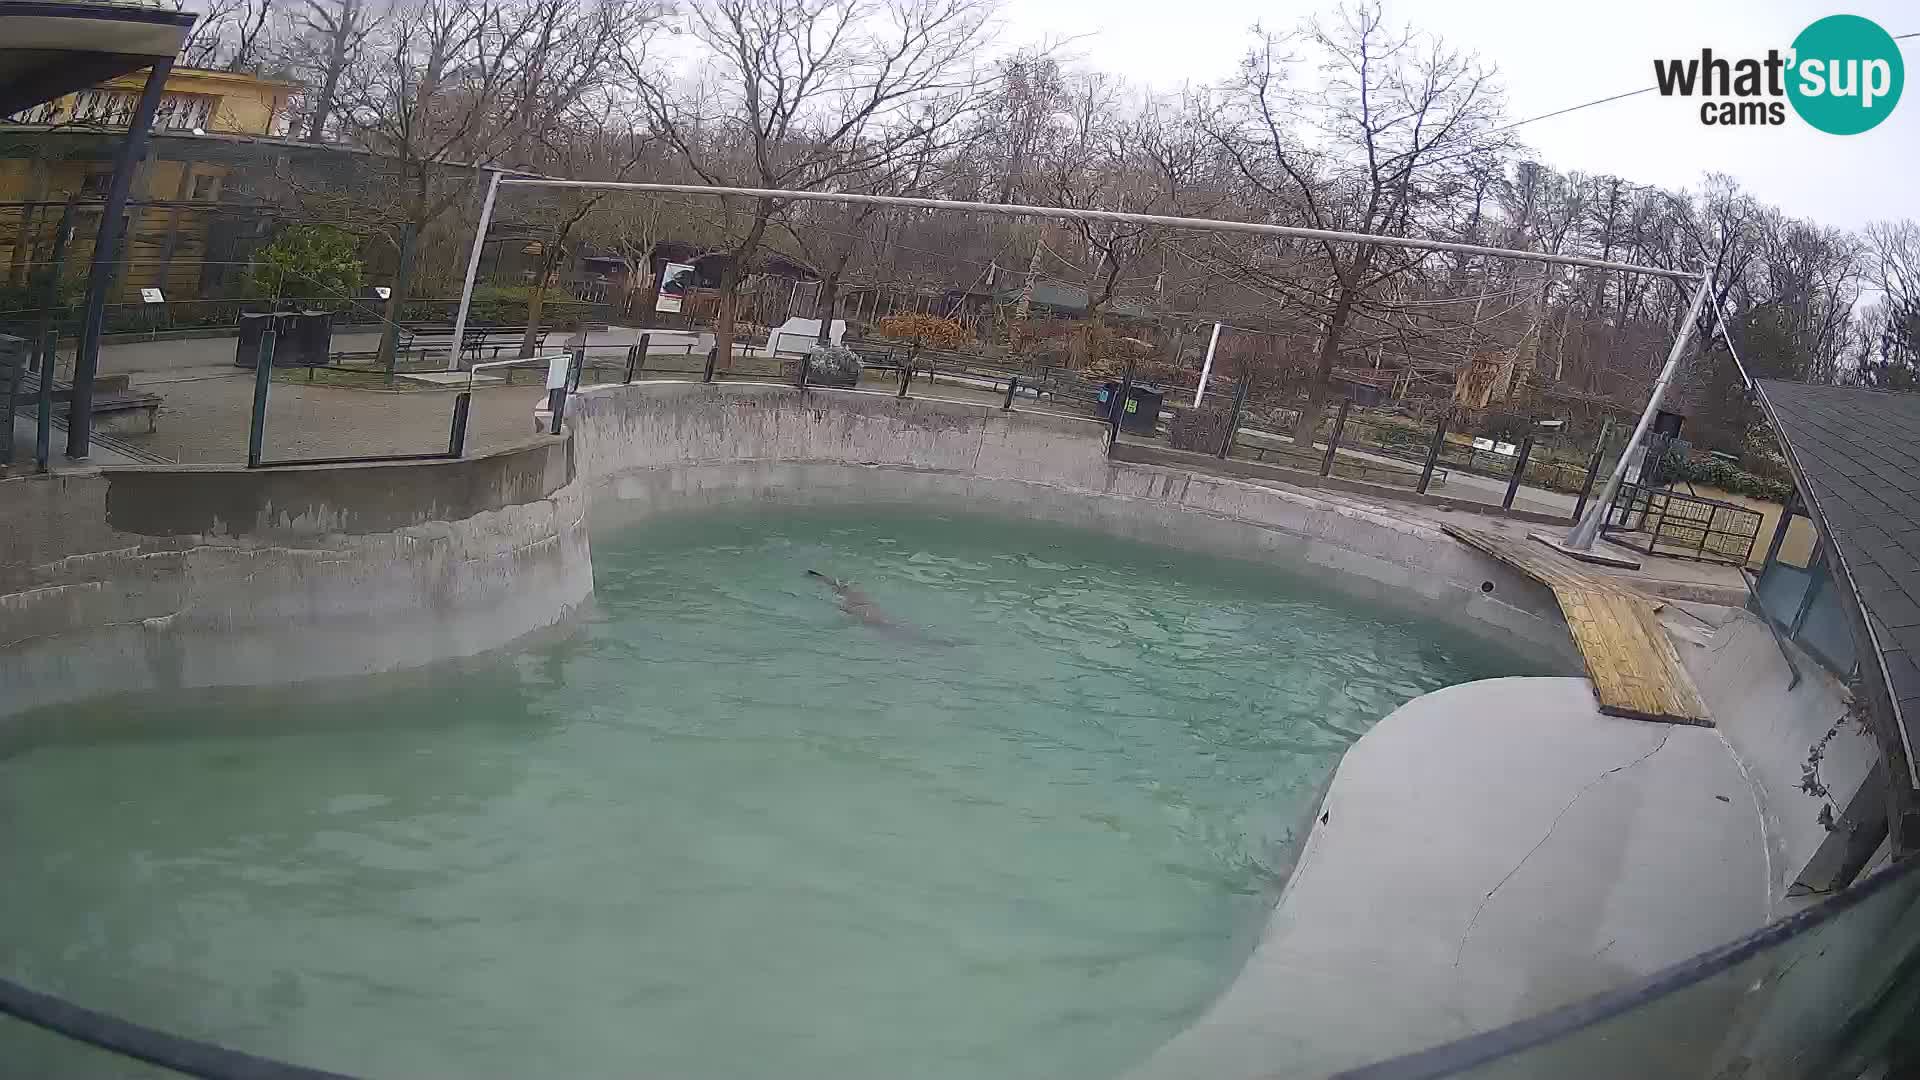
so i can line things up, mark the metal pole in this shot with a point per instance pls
(1433, 452)
(106, 257)
(1587, 530)
(473, 271)
(1070, 214)
(57, 265)
(1593, 467)
(1206, 366)
(1333, 439)
(1780, 530)
(457, 438)
(906, 376)
(1519, 470)
(806, 361)
(16, 367)
(1118, 407)
(43, 412)
(1013, 384)
(636, 356)
(713, 357)
(262, 376)
(1233, 417)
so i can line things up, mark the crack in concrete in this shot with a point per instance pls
(1589, 786)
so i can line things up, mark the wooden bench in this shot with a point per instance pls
(117, 408)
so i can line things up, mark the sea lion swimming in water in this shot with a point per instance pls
(856, 603)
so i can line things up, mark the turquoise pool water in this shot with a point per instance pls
(1018, 814)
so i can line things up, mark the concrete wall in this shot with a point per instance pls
(665, 447)
(132, 579)
(1779, 732)
(1486, 853)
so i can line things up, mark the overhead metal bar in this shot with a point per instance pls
(1254, 228)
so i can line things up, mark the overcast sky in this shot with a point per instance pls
(1553, 55)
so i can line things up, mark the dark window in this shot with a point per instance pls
(203, 188)
(94, 185)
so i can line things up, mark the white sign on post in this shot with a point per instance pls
(383, 292)
(675, 280)
(557, 370)
(152, 296)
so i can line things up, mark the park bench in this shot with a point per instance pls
(117, 407)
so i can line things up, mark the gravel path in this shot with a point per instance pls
(204, 418)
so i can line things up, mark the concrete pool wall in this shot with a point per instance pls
(140, 578)
(668, 447)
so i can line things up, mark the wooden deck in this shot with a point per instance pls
(1630, 660)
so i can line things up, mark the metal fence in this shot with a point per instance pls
(1661, 521)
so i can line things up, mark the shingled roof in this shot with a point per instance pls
(1856, 456)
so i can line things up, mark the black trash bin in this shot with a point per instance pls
(309, 341)
(1141, 413)
(246, 348)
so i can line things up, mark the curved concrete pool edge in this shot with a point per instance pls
(671, 447)
(1486, 853)
(130, 579)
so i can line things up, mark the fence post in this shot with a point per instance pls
(802, 369)
(1013, 384)
(43, 411)
(457, 438)
(262, 376)
(1433, 452)
(906, 376)
(1117, 408)
(16, 367)
(1519, 470)
(1780, 528)
(1333, 439)
(637, 355)
(1593, 469)
(1240, 392)
(575, 366)
(713, 357)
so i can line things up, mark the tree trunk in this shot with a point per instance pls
(336, 64)
(402, 276)
(536, 300)
(1321, 386)
(730, 281)
(723, 319)
(823, 306)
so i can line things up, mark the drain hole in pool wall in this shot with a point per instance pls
(1486, 586)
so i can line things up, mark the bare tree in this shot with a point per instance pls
(807, 94)
(324, 43)
(230, 35)
(1392, 118)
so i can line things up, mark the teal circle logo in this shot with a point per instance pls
(1847, 74)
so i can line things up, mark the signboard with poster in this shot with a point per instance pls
(675, 280)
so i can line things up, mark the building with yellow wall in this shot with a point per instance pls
(65, 148)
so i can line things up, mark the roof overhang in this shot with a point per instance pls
(57, 48)
(1884, 692)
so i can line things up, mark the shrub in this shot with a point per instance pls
(1727, 477)
(927, 331)
(308, 260)
(833, 367)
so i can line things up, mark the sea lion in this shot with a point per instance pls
(856, 603)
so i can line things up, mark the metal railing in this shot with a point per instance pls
(257, 424)
(1661, 521)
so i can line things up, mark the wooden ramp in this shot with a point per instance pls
(1630, 660)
